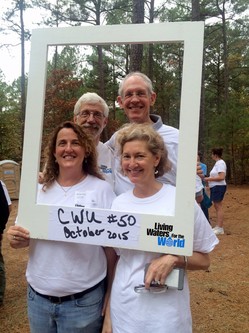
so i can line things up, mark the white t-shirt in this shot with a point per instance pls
(59, 268)
(220, 166)
(170, 137)
(106, 162)
(198, 185)
(148, 312)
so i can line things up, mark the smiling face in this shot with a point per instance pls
(136, 100)
(91, 117)
(69, 153)
(138, 163)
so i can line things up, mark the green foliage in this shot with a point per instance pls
(167, 68)
(121, 12)
(176, 11)
(4, 90)
(73, 70)
(228, 127)
(62, 92)
(10, 124)
(10, 134)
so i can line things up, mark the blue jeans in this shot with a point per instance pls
(82, 315)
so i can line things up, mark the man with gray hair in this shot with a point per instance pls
(91, 113)
(136, 97)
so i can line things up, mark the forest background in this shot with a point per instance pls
(73, 70)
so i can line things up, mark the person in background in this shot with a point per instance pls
(66, 281)
(202, 165)
(217, 184)
(136, 97)
(206, 202)
(5, 209)
(198, 190)
(144, 160)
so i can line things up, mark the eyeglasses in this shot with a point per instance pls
(154, 288)
(86, 114)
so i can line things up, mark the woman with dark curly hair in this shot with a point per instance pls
(66, 280)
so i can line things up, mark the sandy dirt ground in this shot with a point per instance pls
(219, 296)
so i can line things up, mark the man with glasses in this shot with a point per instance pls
(136, 96)
(91, 113)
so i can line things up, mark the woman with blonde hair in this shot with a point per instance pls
(143, 160)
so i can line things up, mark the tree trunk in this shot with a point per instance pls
(23, 88)
(225, 53)
(150, 56)
(137, 49)
(196, 16)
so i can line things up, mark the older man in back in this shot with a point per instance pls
(91, 113)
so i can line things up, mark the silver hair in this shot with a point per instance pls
(144, 77)
(91, 98)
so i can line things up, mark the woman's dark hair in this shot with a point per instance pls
(89, 165)
(217, 151)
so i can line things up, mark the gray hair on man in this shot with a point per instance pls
(91, 98)
(144, 77)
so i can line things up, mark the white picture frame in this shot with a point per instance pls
(39, 219)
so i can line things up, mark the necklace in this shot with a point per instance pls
(66, 189)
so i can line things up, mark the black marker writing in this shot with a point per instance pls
(77, 218)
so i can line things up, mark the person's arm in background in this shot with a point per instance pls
(221, 176)
(199, 171)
